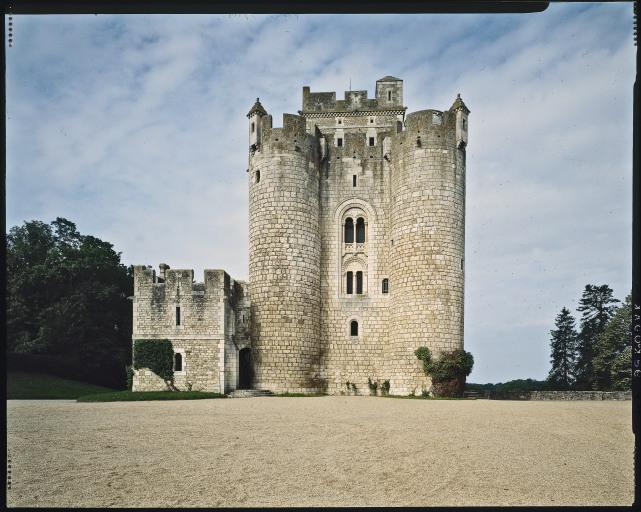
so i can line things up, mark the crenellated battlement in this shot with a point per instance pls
(180, 282)
(388, 96)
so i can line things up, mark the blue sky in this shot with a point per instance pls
(134, 128)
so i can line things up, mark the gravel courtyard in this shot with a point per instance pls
(325, 451)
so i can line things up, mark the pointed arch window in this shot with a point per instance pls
(360, 230)
(349, 230)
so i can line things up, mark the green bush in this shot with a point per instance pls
(157, 355)
(450, 366)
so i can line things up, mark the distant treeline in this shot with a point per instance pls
(510, 386)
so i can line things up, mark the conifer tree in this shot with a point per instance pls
(597, 306)
(563, 345)
(613, 351)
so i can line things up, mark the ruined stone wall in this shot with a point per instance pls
(284, 257)
(200, 337)
(427, 219)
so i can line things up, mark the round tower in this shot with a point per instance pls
(284, 254)
(427, 241)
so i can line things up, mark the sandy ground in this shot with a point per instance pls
(325, 451)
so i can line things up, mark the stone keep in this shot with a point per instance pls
(356, 254)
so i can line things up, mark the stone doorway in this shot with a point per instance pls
(244, 369)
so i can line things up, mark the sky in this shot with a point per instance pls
(134, 127)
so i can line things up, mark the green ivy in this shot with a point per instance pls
(450, 366)
(157, 355)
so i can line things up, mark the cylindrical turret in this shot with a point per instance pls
(284, 257)
(427, 243)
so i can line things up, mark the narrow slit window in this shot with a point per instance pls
(359, 283)
(253, 127)
(385, 285)
(339, 142)
(462, 263)
(178, 319)
(349, 230)
(354, 180)
(360, 230)
(257, 176)
(178, 362)
(353, 328)
(371, 141)
(389, 95)
(350, 276)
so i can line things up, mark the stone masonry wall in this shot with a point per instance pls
(284, 258)
(427, 218)
(346, 357)
(199, 337)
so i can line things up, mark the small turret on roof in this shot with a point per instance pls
(257, 108)
(458, 104)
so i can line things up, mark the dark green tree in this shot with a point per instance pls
(597, 305)
(563, 346)
(67, 297)
(613, 351)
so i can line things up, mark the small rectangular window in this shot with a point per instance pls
(354, 180)
(177, 315)
(339, 142)
(359, 282)
(389, 95)
(371, 141)
(385, 286)
(350, 276)
(461, 263)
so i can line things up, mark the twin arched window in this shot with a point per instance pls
(349, 288)
(349, 230)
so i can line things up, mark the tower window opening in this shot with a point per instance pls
(385, 285)
(178, 319)
(359, 283)
(360, 230)
(339, 142)
(253, 127)
(371, 121)
(371, 141)
(178, 362)
(462, 263)
(349, 288)
(353, 328)
(258, 176)
(349, 230)
(354, 180)
(464, 124)
(340, 121)
(389, 95)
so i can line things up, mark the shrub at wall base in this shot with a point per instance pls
(448, 373)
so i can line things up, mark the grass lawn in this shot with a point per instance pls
(23, 385)
(130, 396)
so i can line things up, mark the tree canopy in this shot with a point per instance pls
(67, 297)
